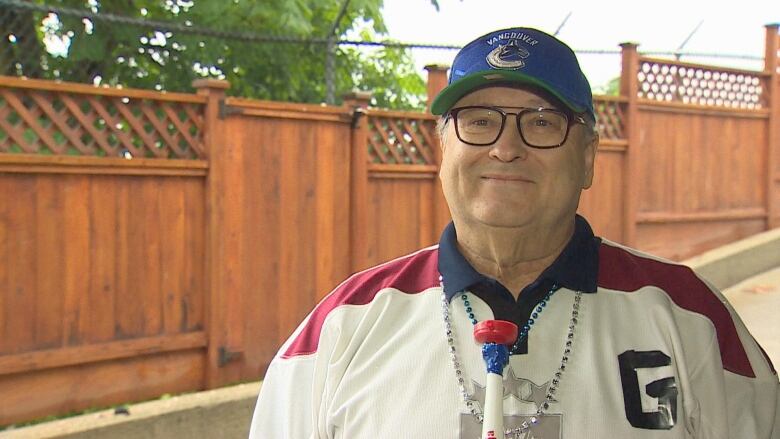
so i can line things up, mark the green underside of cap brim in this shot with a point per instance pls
(453, 92)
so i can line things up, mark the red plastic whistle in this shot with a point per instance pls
(495, 331)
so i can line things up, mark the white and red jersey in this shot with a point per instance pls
(657, 353)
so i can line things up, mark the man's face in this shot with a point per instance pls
(509, 184)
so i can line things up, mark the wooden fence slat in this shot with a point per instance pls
(193, 298)
(112, 123)
(91, 353)
(182, 129)
(102, 252)
(5, 255)
(87, 124)
(422, 145)
(197, 120)
(140, 132)
(32, 123)
(56, 119)
(431, 137)
(76, 307)
(50, 264)
(15, 133)
(161, 130)
(148, 289)
(401, 141)
(18, 328)
(172, 254)
(376, 148)
(377, 123)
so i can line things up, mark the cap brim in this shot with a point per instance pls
(463, 86)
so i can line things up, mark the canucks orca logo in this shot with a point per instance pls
(509, 56)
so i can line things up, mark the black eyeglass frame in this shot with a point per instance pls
(453, 113)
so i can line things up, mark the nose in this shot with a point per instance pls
(510, 145)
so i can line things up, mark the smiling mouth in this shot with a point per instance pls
(507, 178)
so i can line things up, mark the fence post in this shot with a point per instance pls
(772, 68)
(360, 244)
(629, 88)
(219, 295)
(437, 80)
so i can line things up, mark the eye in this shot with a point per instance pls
(543, 121)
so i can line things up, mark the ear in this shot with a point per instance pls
(589, 159)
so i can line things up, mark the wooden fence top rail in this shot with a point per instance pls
(671, 62)
(681, 107)
(60, 164)
(379, 112)
(256, 104)
(71, 87)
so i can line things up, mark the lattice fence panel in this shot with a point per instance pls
(401, 140)
(701, 85)
(59, 123)
(609, 118)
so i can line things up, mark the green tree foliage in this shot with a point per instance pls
(144, 57)
(611, 88)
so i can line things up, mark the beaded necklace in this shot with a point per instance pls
(528, 325)
(518, 432)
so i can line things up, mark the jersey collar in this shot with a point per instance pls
(576, 268)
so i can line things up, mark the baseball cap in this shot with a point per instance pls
(517, 55)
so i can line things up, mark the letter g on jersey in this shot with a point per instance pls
(664, 390)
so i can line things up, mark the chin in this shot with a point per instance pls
(502, 216)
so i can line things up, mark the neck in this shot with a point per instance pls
(515, 256)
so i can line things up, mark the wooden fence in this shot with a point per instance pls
(158, 242)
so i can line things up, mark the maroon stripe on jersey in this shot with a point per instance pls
(624, 271)
(411, 274)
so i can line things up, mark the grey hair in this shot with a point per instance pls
(441, 127)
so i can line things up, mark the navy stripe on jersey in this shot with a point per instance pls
(410, 274)
(622, 270)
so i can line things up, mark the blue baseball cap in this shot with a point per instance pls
(517, 55)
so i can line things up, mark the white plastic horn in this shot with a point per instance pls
(495, 336)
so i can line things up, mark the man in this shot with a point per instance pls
(613, 343)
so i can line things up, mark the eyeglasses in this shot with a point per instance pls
(538, 127)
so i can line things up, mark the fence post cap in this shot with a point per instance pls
(628, 44)
(211, 83)
(437, 67)
(357, 98)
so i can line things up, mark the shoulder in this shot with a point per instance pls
(627, 270)
(410, 274)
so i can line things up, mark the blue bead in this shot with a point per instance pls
(469, 309)
(535, 315)
(530, 321)
(467, 303)
(471, 315)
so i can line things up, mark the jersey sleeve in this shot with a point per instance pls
(292, 403)
(285, 406)
(750, 400)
